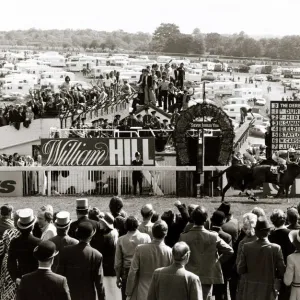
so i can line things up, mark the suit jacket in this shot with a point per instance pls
(260, 262)
(228, 265)
(206, 246)
(82, 266)
(146, 259)
(43, 284)
(174, 283)
(61, 242)
(281, 238)
(20, 256)
(95, 240)
(232, 227)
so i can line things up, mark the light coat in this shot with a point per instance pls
(292, 275)
(146, 259)
(175, 283)
(205, 260)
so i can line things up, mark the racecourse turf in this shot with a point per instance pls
(132, 205)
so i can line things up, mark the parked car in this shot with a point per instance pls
(260, 102)
(259, 78)
(257, 131)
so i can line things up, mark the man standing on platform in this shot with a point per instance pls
(244, 113)
(147, 118)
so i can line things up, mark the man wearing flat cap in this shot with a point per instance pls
(82, 266)
(20, 254)
(43, 283)
(261, 263)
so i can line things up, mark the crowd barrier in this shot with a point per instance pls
(29, 181)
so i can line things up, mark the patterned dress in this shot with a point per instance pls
(7, 286)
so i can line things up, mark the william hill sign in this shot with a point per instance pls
(97, 152)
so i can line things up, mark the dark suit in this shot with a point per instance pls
(96, 226)
(61, 242)
(20, 256)
(220, 290)
(43, 284)
(82, 266)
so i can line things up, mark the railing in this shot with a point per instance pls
(95, 180)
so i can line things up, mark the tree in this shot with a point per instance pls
(212, 40)
(164, 33)
(196, 31)
(94, 44)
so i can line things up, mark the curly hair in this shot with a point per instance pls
(249, 223)
(278, 217)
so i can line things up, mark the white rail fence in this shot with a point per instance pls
(63, 180)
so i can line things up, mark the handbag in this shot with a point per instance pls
(277, 281)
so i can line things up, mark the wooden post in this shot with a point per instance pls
(154, 185)
(49, 183)
(119, 182)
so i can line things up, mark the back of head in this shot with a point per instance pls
(199, 216)
(159, 229)
(131, 223)
(258, 211)
(292, 215)
(147, 211)
(6, 210)
(115, 205)
(180, 251)
(84, 231)
(278, 217)
(218, 218)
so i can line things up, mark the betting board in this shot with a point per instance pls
(285, 125)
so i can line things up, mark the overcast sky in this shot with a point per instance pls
(255, 17)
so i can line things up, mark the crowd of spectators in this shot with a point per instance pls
(180, 254)
(19, 160)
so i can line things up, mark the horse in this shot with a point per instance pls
(243, 177)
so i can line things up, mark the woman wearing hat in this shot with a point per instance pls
(292, 273)
(107, 247)
(7, 286)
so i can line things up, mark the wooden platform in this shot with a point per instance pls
(240, 131)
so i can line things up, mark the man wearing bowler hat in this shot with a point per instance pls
(62, 239)
(43, 283)
(261, 262)
(82, 266)
(82, 211)
(20, 254)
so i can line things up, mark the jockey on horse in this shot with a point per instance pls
(278, 157)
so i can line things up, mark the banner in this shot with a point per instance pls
(11, 184)
(97, 151)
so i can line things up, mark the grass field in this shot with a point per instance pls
(132, 205)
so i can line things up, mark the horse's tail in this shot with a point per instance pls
(218, 175)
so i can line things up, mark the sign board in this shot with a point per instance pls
(285, 125)
(204, 125)
(97, 152)
(11, 184)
